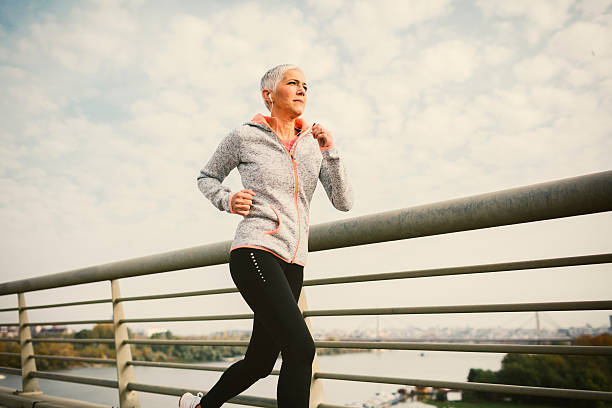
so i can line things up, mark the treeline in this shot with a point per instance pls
(161, 353)
(552, 371)
(99, 350)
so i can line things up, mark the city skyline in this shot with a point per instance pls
(527, 330)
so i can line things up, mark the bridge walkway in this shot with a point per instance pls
(9, 399)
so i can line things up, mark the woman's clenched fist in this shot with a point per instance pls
(241, 202)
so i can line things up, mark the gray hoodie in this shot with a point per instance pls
(283, 182)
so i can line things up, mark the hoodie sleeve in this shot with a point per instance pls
(223, 160)
(334, 178)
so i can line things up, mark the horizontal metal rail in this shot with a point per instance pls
(10, 324)
(515, 266)
(420, 273)
(484, 308)
(473, 348)
(475, 340)
(10, 370)
(184, 366)
(10, 339)
(222, 291)
(473, 386)
(568, 197)
(100, 382)
(5, 354)
(69, 323)
(240, 399)
(79, 303)
(95, 360)
(69, 340)
(239, 316)
(195, 257)
(384, 345)
(238, 343)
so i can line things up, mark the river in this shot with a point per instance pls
(450, 366)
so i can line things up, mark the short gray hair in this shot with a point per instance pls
(273, 77)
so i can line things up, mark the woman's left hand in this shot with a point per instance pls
(323, 136)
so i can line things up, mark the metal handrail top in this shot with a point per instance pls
(568, 197)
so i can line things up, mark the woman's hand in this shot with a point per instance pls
(323, 136)
(241, 202)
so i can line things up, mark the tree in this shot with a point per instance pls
(553, 371)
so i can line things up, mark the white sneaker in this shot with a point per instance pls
(188, 400)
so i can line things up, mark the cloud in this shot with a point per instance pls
(495, 54)
(582, 42)
(452, 61)
(546, 16)
(544, 126)
(374, 34)
(95, 38)
(593, 8)
(326, 7)
(538, 69)
(536, 17)
(30, 98)
(8, 73)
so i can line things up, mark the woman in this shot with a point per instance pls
(279, 164)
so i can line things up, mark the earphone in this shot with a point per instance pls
(270, 96)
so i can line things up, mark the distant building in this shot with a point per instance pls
(563, 333)
(57, 330)
(9, 331)
(154, 330)
(13, 331)
(51, 330)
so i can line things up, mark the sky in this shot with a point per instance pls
(109, 109)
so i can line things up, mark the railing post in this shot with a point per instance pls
(317, 396)
(28, 363)
(125, 372)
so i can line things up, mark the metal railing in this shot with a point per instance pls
(581, 195)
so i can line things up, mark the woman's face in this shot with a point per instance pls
(290, 94)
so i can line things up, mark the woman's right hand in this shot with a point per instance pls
(241, 202)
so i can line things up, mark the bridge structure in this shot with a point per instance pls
(587, 194)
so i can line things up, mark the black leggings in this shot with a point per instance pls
(271, 287)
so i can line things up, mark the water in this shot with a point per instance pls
(393, 363)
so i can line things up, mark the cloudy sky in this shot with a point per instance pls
(110, 108)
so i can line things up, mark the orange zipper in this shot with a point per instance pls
(295, 192)
(297, 210)
(295, 178)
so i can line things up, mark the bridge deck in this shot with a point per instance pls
(8, 399)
